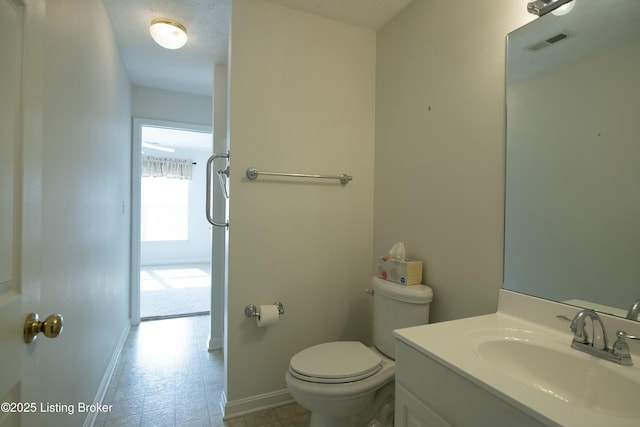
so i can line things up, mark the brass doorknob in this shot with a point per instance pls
(51, 327)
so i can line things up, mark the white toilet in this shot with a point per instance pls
(345, 383)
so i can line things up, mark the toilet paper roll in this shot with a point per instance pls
(268, 316)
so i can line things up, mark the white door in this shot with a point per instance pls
(11, 288)
(19, 194)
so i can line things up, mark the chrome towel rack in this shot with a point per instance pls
(253, 173)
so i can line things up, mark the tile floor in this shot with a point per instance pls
(170, 290)
(166, 377)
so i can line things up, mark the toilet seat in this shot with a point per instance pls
(335, 363)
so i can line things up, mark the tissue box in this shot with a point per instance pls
(407, 272)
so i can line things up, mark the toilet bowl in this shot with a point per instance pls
(347, 384)
(347, 398)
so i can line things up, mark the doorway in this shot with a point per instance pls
(171, 265)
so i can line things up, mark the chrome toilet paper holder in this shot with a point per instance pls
(252, 311)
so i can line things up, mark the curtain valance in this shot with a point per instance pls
(166, 167)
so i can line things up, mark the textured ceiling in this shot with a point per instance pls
(190, 69)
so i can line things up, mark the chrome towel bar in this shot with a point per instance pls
(252, 174)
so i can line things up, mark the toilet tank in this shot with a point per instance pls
(396, 306)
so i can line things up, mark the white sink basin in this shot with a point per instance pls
(532, 366)
(561, 372)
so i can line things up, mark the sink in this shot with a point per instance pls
(553, 368)
(519, 361)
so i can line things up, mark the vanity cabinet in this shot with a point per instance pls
(410, 411)
(429, 394)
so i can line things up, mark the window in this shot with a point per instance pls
(164, 209)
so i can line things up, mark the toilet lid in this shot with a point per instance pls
(335, 362)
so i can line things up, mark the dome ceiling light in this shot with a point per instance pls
(168, 33)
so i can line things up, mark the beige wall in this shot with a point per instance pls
(301, 100)
(157, 104)
(439, 157)
(76, 212)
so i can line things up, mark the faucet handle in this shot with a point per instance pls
(621, 348)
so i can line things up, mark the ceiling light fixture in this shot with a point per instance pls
(565, 8)
(168, 33)
(542, 7)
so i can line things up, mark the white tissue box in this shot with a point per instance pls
(407, 272)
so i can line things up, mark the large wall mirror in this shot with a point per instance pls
(572, 221)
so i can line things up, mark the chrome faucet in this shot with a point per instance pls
(634, 311)
(619, 353)
(580, 335)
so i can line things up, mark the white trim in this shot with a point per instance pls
(108, 375)
(136, 182)
(257, 403)
(181, 262)
(215, 343)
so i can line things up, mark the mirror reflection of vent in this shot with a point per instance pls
(548, 42)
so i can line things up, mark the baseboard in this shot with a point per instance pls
(156, 263)
(250, 405)
(215, 343)
(106, 379)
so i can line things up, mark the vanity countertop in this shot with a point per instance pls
(590, 399)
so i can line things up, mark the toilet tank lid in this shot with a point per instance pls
(415, 294)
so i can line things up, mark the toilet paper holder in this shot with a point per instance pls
(252, 310)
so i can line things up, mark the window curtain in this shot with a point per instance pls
(166, 167)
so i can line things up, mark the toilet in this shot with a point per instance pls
(347, 384)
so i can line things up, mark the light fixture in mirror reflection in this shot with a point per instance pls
(572, 215)
(557, 7)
